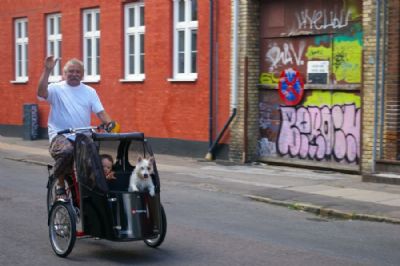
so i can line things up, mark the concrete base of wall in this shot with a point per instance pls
(340, 167)
(385, 178)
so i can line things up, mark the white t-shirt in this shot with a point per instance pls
(71, 107)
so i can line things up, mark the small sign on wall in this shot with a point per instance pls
(317, 72)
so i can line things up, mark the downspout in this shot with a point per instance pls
(376, 85)
(234, 78)
(211, 73)
(382, 118)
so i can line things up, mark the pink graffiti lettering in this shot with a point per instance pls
(320, 133)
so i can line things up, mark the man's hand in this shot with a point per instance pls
(112, 127)
(50, 62)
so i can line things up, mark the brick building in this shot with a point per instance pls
(294, 82)
(148, 61)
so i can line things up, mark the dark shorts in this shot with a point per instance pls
(62, 151)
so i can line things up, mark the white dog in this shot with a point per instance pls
(141, 176)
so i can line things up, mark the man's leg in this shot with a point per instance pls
(61, 149)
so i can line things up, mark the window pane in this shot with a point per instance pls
(141, 36)
(194, 52)
(97, 21)
(131, 17)
(19, 60)
(59, 49)
(142, 16)
(181, 41)
(97, 56)
(89, 56)
(181, 63)
(141, 53)
(58, 24)
(131, 44)
(51, 48)
(181, 52)
(59, 56)
(194, 10)
(51, 30)
(25, 29)
(25, 73)
(142, 64)
(19, 29)
(131, 55)
(89, 22)
(181, 10)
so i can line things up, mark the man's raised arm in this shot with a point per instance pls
(49, 64)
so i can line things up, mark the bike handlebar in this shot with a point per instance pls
(79, 129)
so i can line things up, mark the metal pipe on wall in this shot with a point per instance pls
(211, 73)
(376, 85)
(382, 117)
(234, 78)
(245, 109)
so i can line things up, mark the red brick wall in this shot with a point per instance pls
(157, 107)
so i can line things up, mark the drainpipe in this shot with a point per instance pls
(382, 118)
(377, 61)
(211, 72)
(234, 78)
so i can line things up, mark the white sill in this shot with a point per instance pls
(131, 80)
(182, 79)
(19, 81)
(91, 80)
(54, 79)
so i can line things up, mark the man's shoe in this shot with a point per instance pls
(61, 193)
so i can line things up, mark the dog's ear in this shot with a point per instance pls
(151, 159)
(139, 159)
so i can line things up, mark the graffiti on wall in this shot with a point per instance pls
(332, 32)
(323, 19)
(345, 53)
(322, 125)
(285, 55)
(325, 127)
(320, 132)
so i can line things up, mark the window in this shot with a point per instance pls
(21, 50)
(134, 41)
(185, 39)
(54, 38)
(91, 44)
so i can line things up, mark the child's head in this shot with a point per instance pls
(107, 162)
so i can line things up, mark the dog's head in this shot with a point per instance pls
(144, 167)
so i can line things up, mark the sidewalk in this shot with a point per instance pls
(325, 193)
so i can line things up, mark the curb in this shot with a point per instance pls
(326, 212)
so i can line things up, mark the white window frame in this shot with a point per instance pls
(186, 26)
(92, 69)
(21, 55)
(136, 31)
(54, 42)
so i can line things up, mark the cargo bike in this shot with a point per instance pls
(99, 208)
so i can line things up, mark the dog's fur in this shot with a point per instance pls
(140, 179)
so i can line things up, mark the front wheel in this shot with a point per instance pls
(155, 242)
(62, 228)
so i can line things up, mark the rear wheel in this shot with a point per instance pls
(62, 228)
(51, 190)
(155, 242)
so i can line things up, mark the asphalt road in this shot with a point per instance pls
(206, 226)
